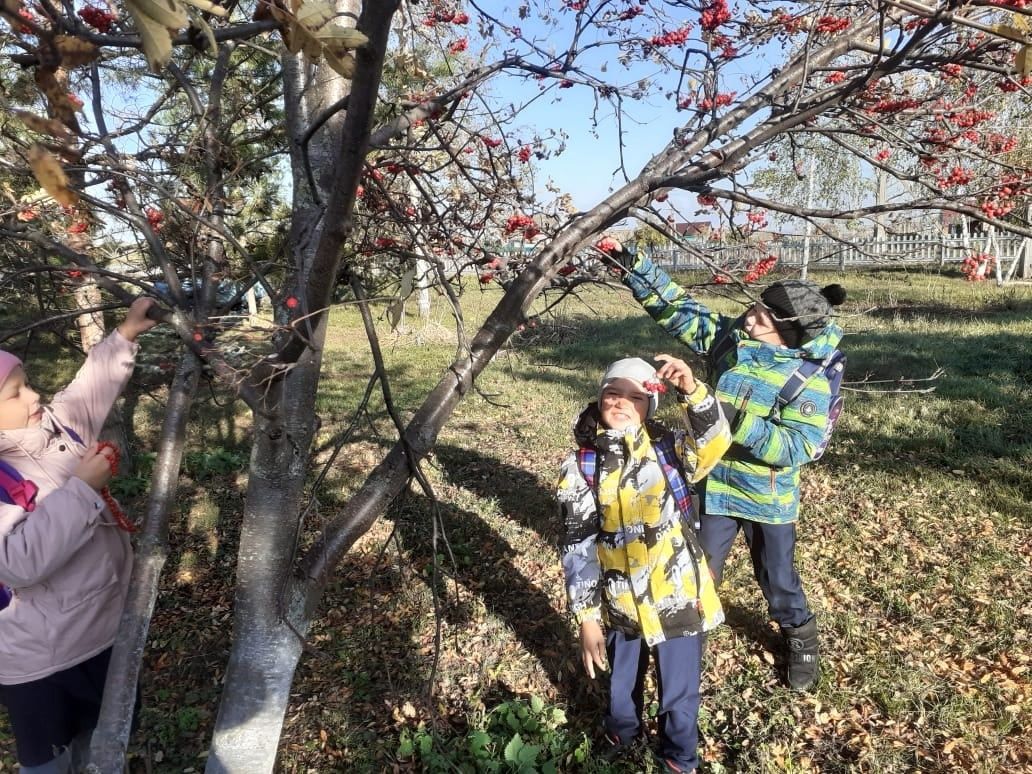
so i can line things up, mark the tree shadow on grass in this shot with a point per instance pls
(488, 561)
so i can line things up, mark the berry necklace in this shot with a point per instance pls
(121, 519)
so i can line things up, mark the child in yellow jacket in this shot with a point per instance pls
(629, 551)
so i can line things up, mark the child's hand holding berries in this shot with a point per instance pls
(95, 468)
(677, 372)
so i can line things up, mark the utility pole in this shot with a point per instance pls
(882, 196)
(809, 223)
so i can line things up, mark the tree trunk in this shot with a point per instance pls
(107, 753)
(265, 649)
(267, 632)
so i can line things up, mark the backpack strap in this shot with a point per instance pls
(16, 490)
(587, 461)
(835, 362)
(674, 474)
(73, 435)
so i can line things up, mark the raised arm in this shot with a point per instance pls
(708, 436)
(680, 315)
(84, 404)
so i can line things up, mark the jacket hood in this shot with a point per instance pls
(30, 440)
(824, 343)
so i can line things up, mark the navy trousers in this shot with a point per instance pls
(678, 669)
(772, 547)
(47, 714)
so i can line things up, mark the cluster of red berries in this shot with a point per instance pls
(1010, 85)
(155, 217)
(630, 13)
(705, 200)
(100, 19)
(884, 106)
(997, 143)
(978, 266)
(836, 77)
(116, 510)
(883, 154)
(672, 38)
(458, 46)
(442, 16)
(28, 16)
(491, 142)
(727, 47)
(957, 176)
(970, 118)
(523, 154)
(760, 268)
(523, 223)
(715, 14)
(832, 24)
(951, 70)
(996, 208)
(721, 100)
(654, 385)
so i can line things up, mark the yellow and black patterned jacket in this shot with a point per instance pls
(629, 556)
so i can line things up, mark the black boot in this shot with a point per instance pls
(803, 661)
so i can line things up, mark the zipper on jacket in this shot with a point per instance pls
(745, 401)
(773, 481)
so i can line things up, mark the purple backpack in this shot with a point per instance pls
(15, 490)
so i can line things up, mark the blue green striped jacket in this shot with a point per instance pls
(758, 478)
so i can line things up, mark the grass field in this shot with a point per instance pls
(915, 551)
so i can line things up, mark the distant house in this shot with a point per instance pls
(698, 229)
(952, 224)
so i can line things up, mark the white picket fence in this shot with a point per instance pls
(829, 254)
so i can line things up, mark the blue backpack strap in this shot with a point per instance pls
(586, 459)
(674, 475)
(833, 366)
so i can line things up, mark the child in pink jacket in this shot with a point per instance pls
(64, 561)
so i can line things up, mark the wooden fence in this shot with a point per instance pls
(830, 254)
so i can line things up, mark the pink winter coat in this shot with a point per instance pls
(66, 561)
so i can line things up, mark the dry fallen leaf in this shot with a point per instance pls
(75, 51)
(47, 170)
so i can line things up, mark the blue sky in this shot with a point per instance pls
(588, 169)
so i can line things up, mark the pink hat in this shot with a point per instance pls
(8, 363)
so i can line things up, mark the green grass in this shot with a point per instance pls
(914, 551)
